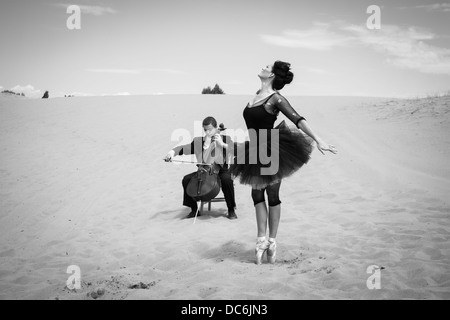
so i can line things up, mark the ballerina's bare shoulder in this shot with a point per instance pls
(259, 100)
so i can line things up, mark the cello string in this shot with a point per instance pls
(208, 151)
(212, 146)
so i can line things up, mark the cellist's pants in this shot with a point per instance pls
(227, 189)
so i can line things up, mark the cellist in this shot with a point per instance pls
(214, 149)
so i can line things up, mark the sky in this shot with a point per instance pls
(142, 47)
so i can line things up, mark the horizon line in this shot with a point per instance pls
(440, 94)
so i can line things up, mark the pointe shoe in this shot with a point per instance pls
(261, 247)
(272, 252)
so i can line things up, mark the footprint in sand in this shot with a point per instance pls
(357, 199)
(301, 265)
(393, 210)
(7, 253)
(206, 292)
(114, 288)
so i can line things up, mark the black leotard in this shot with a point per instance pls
(259, 118)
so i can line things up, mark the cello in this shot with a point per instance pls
(205, 184)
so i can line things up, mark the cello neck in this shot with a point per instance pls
(207, 153)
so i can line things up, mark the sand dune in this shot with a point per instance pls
(82, 182)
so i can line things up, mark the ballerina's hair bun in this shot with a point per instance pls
(282, 73)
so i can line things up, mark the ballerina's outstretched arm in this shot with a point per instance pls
(285, 107)
(321, 145)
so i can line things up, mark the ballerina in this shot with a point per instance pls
(292, 148)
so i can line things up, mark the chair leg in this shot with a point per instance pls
(201, 206)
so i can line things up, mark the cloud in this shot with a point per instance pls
(81, 94)
(96, 10)
(445, 7)
(93, 10)
(123, 71)
(402, 47)
(28, 91)
(319, 37)
(405, 48)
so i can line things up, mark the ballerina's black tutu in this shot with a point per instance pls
(294, 150)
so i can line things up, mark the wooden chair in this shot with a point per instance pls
(218, 199)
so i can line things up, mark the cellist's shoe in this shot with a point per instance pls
(231, 214)
(192, 214)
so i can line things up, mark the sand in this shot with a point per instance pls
(82, 182)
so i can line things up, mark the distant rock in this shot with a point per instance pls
(45, 96)
(215, 90)
(9, 92)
